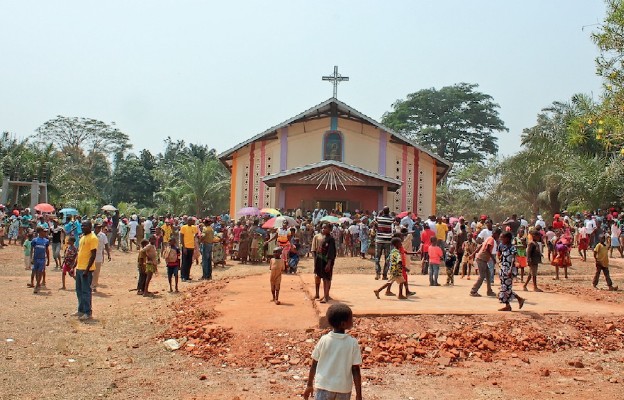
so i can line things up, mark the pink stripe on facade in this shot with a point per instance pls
(404, 179)
(262, 174)
(415, 182)
(250, 189)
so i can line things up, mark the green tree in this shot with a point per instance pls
(456, 122)
(204, 184)
(133, 182)
(607, 121)
(83, 135)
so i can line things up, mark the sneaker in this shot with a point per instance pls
(475, 295)
(85, 317)
(491, 294)
(76, 314)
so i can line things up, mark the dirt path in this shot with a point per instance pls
(48, 354)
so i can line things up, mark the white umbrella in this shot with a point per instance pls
(108, 207)
(279, 221)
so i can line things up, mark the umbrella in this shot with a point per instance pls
(44, 208)
(271, 211)
(108, 207)
(404, 214)
(453, 220)
(69, 211)
(277, 222)
(345, 219)
(331, 219)
(248, 211)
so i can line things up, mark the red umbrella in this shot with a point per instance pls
(44, 207)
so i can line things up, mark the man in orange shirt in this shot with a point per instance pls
(484, 253)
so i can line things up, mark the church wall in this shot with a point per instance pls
(253, 162)
(364, 146)
(305, 142)
(427, 173)
(360, 144)
(365, 198)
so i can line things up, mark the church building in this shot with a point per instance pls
(332, 156)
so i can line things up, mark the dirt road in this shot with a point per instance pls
(47, 354)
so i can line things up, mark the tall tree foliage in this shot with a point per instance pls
(456, 122)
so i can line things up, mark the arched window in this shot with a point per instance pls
(333, 146)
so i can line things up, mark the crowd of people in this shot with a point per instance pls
(463, 248)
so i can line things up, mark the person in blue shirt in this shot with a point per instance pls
(40, 256)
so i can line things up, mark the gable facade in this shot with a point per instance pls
(340, 137)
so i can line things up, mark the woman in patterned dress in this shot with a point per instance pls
(507, 254)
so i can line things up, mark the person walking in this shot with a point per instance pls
(383, 237)
(484, 253)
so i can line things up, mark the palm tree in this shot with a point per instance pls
(204, 183)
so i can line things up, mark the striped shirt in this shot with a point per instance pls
(384, 228)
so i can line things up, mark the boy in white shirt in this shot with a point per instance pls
(336, 360)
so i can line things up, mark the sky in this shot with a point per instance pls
(219, 72)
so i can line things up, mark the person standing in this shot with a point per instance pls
(57, 232)
(462, 236)
(40, 256)
(207, 239)
(364, 237)
(132, 233)
(84, 271)
(115, 237)
(383, 224)
(324, 259)
(99, 256)
(187, 241)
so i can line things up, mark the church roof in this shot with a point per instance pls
(323, 110)
(393, 184)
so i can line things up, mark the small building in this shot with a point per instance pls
(332, 156)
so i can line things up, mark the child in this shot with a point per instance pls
(27, 248)
(395, 271)
(520, 243)
(40, 257)
(277, 266)
(404, 270)
(561, 259)
(255, 243)
(449, 261)
(69, 260)
(602, 264)
(141, 261)
(336, 359)
(171, 254)
(151, 262)
(435, 259)
(551, 238)
(293, 256)
(534, 257)
(467, 259)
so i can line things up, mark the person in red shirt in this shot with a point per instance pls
(557, 222)
(425, 242)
